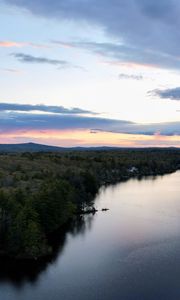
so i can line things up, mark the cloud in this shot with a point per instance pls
(64, 44)
(133, 77)
(42, 108)
(148, 31)
(11, 44)
(26, 58)
(121, 54)
(172, 94)
(15, 71)
(18, 121)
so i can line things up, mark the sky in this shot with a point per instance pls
(90, 72)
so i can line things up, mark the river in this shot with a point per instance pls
(130, 252)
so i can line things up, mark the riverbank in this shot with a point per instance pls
(41, 192)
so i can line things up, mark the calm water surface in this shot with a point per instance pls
(130, 252)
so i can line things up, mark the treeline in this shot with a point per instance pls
(40, 192)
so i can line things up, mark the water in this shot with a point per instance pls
(130, 252)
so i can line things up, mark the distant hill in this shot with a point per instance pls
(28, 147)
(33, 147)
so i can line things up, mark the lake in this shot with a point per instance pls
(130, 252)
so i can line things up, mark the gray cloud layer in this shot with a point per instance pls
(127, 53)
(172, 94)
(127, 76)
(26, 58)
(10, 121)
(42, 108)
(149, 29)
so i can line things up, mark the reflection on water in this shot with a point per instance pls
(130, 252)
(19, 272)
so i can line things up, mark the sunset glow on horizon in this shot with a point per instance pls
(86, 138)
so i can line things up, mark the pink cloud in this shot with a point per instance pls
(11, 44)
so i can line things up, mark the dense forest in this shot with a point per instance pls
(41, 192)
